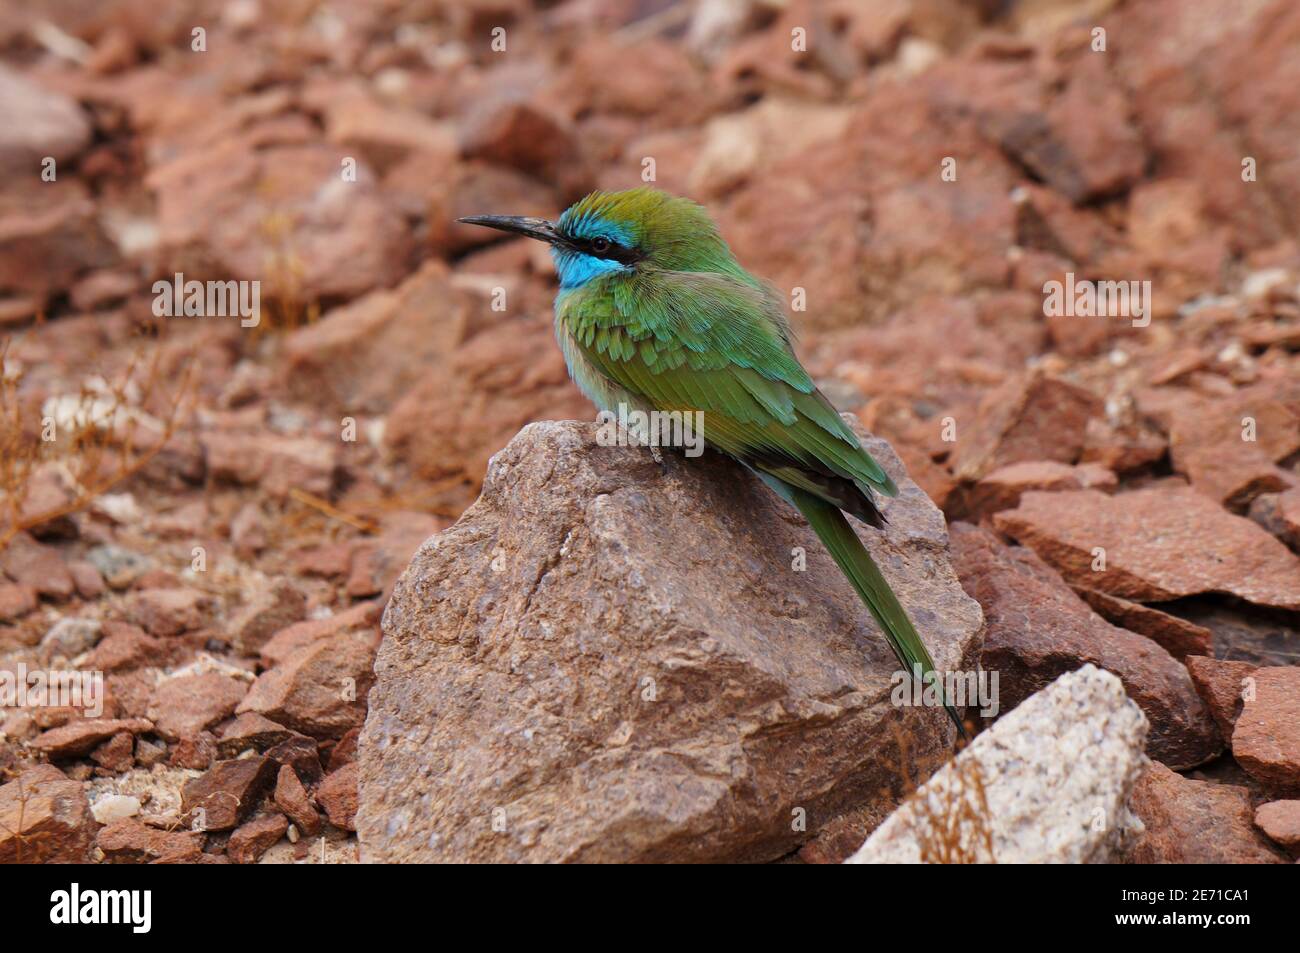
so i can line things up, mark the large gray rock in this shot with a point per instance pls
(1048, 783)
(610, 658)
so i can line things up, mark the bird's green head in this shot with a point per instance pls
(608, 233)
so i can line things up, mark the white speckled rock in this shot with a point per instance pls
(114, 807)
(1056, 775)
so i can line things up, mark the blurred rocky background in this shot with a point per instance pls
(214, 514)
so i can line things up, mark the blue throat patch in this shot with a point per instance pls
(576, 269)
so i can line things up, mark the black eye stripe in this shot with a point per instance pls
(611, 249)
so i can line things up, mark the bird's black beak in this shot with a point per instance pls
(538, 228)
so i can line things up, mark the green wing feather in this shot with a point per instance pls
(712, 343)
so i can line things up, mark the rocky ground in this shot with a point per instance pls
(215, 515)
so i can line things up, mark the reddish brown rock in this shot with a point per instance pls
(168, 612)
(34, 564)
(48, 492)
(48, 237)
(265, 614)
(1037, 629)
(553, 497)
(1083, 144)
(250, 730)
(195, 752)
(80, 736)
(253, 839)
(1199, 89)
(337, 794)
(87, 579)
(182, 707)
(321, 688)
(126, 647)
(291, 797)
(1178, 242)
(16, 600)
(248, 531)
(1280, 820)
(1207, 442)
(469, 187)
(1266, 738)
(331, 560)
(129, 841)
(44, 818)
(301, 754)
(443, 428)
(214, 206)
(227, 793)
(1288, 511)
(148, 753)
(1031, 417)
(1220, 684)
(362, 616)
(383, 133)
(521, 135)
(1195, 822)
(117, 754)
(1176, 636)
(345, 751)
(157, 579)
(275, 463)
(1122, 449)
(102, 288)
(1002, 489)
(363, 356)
(1153, 542)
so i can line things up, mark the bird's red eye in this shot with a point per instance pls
(600, 245)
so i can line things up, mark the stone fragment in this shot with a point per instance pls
(741, 645)
(1031, 417)
(115, 807)
(291, 797)
(1280, 820)
(1266, 737)
(337, 794)
(321, 688)
(1049, 783)
(168, 612)
(1195, 822)
(44, 819)
(182, 707)
(1151, 543)
(250, 730)
(1036, 629)
(229, 791)
(1175, 635)
(129, 841)
(1002, 489)
(254, 838)
(265, 614)
(1221, 685)
(82, 735)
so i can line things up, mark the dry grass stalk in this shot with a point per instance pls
(93, 441)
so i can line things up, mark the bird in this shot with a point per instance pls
(655, 313)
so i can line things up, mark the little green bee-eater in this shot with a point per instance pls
(655, 313)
